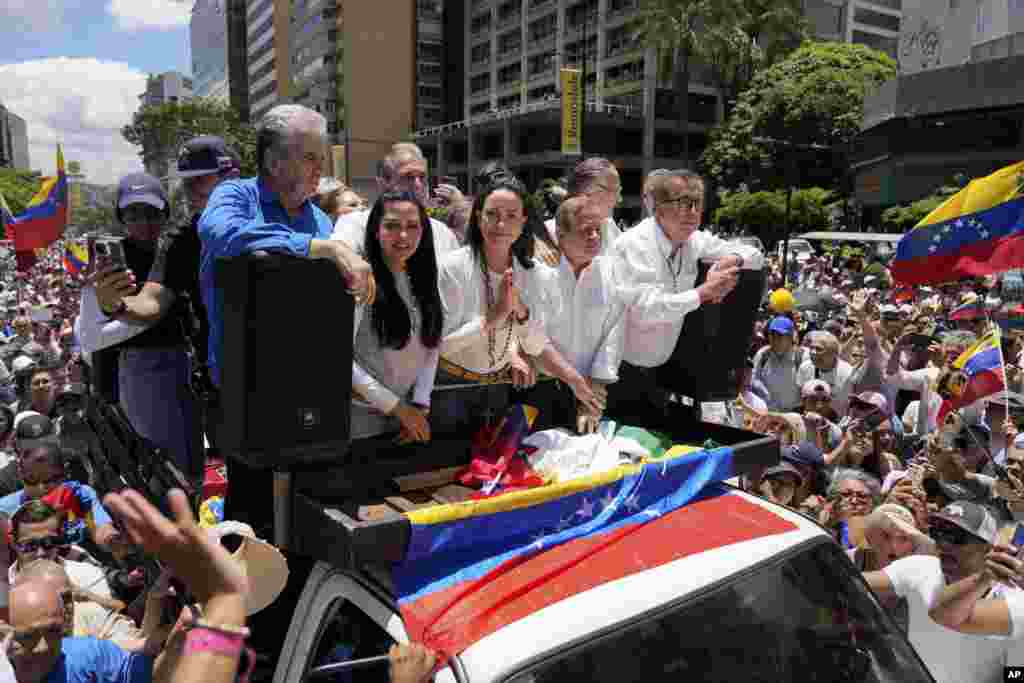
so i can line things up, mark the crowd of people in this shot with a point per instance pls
(502, 303)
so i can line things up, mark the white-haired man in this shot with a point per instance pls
(825, 364)
(272, 212)
(656, 265)
(404, 169)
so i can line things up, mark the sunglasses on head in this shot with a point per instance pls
(952, 535)
(45, 543)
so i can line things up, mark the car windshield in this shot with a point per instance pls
(800, 246)
(804, 619)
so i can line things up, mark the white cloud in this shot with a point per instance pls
(36, 16)
(135, 15)
(80, 103)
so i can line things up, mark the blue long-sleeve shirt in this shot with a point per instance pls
(243, 216)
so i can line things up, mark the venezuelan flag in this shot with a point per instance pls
(76, 257)
(971, 310)
(475, 566)
(981, 372)
(1011, 318)
(45, 218)
(976, 232)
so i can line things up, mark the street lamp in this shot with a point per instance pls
(790, 162)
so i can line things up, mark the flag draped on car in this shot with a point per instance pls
(475, 566)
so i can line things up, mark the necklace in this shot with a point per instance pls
(673, 269)
(491, 305)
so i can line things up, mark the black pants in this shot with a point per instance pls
(554, 401)
(636, 397)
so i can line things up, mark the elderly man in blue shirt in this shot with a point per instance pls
(274, 212)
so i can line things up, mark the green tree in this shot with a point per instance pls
(813, 96)
(161, 130)
(763, 213)
(92, 219)
(18, 187)
(906, 216)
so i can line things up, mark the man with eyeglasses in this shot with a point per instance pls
(39, 532)
(965, 534)
(656, 265)
(404, 169)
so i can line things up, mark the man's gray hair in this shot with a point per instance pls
(657, 183)
(568, 215)
(401, 153)
(823, 336)
(852, 474)
(275, 133)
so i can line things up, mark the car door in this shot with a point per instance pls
(338, 619)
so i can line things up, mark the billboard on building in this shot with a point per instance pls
(572, 112)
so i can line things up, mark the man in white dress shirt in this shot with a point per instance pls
(404, 169)
(656, 265)
(587, 331)
(598, 179)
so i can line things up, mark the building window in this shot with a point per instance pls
(545, 92)
(479, 23)
(544, 28)
(429, 92)
(868, 17)
(481, 108)
(508, 102)
(890, 46)
(509, 74)
(480, 54)
(510, 42)
(480, 83)
(430, 51)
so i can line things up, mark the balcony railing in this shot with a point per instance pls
(575, 27)
(509, 19)
(480, 65)
(510, 53)
(538, 6)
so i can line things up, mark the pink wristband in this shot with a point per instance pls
(201, 639)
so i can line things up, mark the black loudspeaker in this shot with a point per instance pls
(285, 360)
(713, 345)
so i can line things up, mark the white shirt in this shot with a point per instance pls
(951, 656)
(465, 311)
(386, 375)
(588, 327)
(779, 374)
(610, 231)
(659, 285)
(351, 229)
(839, 378)
(96, 331)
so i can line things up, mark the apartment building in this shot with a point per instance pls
(217, 42)
(268, 60)
(169, 86)
(13, 141)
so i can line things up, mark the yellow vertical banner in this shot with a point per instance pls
(572, 110)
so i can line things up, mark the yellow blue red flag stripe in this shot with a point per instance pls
(982, 369)
(976, 232)
(474, 567)
(44, 219)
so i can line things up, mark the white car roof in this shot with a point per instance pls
(502, 653)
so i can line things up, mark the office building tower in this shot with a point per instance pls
(268, 58)
(13, 141)
(170, 86)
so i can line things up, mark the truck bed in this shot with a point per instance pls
(352, 515)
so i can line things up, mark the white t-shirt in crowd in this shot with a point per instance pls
(950, 656)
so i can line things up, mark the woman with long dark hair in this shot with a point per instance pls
(398, 337)
(496, 299)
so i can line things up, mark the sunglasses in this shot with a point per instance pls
(952, 535)
(45, 543)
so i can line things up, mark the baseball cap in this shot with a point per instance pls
(784, 468)
(804, 454)
(815, 387)
(972, 518)
(22, 364)
(206, 155)
(141, 188)
(870, 400)
(31, 428)
(781, 325)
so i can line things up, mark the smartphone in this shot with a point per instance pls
(107, 253)
(873, 420)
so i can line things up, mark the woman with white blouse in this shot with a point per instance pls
(496, 300)
(398, 337)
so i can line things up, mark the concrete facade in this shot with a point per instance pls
(169, 86)
(208, 45)
(267, 43)
(13, 141)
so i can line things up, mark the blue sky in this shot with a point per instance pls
(73, 69)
